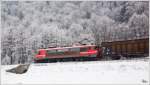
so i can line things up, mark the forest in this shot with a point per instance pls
(27, 26)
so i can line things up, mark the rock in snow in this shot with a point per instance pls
(19, 69)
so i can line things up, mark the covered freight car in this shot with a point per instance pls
(127, 48)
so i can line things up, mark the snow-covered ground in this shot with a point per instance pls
(93, 72)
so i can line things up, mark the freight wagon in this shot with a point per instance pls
(126, 48)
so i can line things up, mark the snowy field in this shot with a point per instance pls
(93, 72)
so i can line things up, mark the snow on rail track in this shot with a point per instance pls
(93, 72)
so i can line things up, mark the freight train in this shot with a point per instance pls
(113, 50)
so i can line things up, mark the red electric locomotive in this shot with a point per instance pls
(67, 53)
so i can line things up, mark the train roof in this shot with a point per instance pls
(141, 39)
(56, 48)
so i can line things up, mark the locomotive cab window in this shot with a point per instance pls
(83, 49)
(39, 53)
(93, 48)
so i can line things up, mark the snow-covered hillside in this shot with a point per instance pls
(93, 72)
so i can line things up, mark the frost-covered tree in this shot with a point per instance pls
(101, 28)
(30, 25)
(8, 48)
(139, 25)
